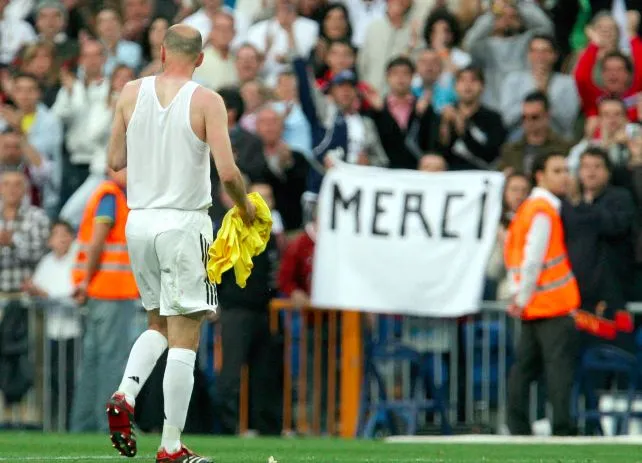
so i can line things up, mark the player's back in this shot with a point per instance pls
(168, 165)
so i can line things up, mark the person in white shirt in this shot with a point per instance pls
(14, 34)
(203, 21)
(73, 104)
(52, 287)
(219, 64)
(109, 28)
(98, 115)
(271, 39)
(167, 129)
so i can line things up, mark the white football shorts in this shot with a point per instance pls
(168, 254)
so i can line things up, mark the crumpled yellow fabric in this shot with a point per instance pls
(236, 244)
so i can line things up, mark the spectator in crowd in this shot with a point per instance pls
(53, 287)
(612, 133)
(498, 42)
(14, 34)
(620, 78)
(249, 62)
(516, 189)
(312, 9)
(387, 37)
(39, 60)
(73, 105)
(137, 16)
(247, 147)
(442, 34)
(24, 230)
(151, 47)
(17, 154)
(362, 13)
(296, 130)
(203, 21)
(437, 87)
(335, 26)
(598, 226)
(255, 11)
(559, 89)
(287, 170)
(111, 297)
(218, 68)
(246, 340)
(109, 28)
(99, 116)
(408, 127)
(43, 132)
(295, 272)
(270, 37)
(51, 21)
(538, 135)
(432, 162)
(471, 132)
(341, 56)
(255, 94)
(339, 133)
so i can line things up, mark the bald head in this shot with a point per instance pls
(183, 40)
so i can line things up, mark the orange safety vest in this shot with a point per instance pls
(556, 293)
(114, 278)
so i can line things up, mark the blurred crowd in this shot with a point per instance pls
(432, 85)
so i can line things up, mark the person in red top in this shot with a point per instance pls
(621, 77)
(341, 57)
(295, 274)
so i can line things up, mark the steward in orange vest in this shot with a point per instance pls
(544, 295)
(105, 285)
(107, 274)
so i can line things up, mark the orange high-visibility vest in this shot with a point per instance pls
(556, 293)
(114, 278)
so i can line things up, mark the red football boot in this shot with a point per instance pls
(121, 418)
(184, 455)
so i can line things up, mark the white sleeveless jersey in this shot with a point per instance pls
(168, 166)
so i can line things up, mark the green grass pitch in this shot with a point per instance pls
(50, 448)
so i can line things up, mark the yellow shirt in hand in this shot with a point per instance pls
(236, 243)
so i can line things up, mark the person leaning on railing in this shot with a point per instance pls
(544, 294)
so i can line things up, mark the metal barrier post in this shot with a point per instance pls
(351, 372)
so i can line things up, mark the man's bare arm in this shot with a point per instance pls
(117, 152)
(219, 141)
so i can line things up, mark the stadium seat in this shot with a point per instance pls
(611, 361)
(384, 409)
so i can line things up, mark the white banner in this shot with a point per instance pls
(405, 242)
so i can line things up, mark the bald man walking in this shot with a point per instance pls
(164, 129)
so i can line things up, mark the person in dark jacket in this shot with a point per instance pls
(599, 224)
(246, 340)
(471, 133)
(408, 126)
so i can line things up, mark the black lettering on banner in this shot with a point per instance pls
(337, 198)
(378, 211)
(482, 210)
(445, 233)
(413, 207)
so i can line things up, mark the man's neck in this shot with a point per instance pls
(111, 45)
(270, 147)
(471, 106)
(536, 138)
(9, 211)
(60, 254)
(29, 110)
(90, 79)
(400, 95)
(396, 21)
(178, 71)
(223, 50)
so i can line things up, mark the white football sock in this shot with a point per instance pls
(177, 391)
(146, 351)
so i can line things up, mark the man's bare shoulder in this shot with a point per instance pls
(130, 90)
(206, 98)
